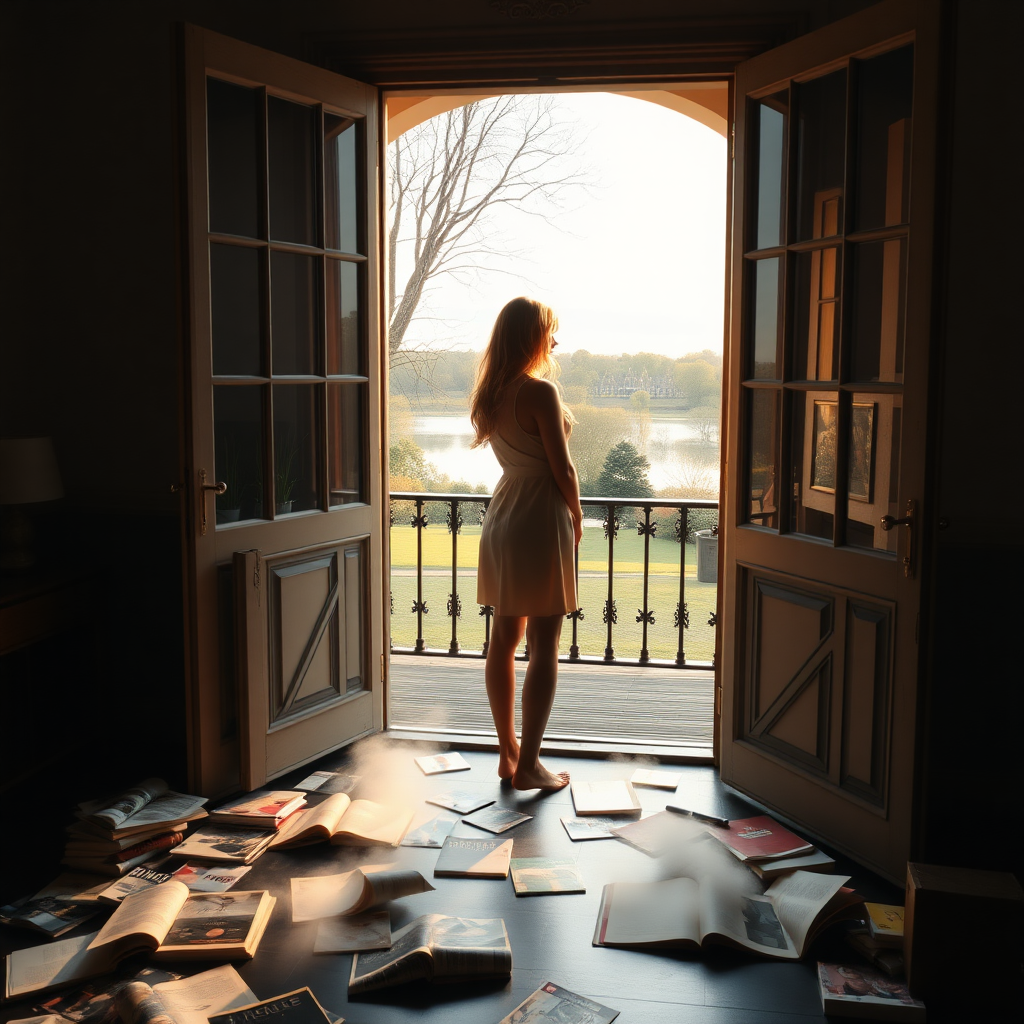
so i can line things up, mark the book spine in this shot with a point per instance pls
(164, 842)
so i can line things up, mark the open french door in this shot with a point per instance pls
(282, 424)
(827, 444)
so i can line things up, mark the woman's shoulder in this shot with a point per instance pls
(539, 392)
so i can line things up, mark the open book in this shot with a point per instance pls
(681, 912)
(352, 892)
(345, 822)
(437, 948)
(186, 1001)
(165, 920)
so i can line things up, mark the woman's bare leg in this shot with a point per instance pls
(542, 633)
(500, 677)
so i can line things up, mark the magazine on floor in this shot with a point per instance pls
(553, 1003)
(435, 947)
(683, 913)
(352, 892)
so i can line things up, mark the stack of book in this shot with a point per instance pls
(242, 830)
(769, 849)
(879, 938)
(115, 835)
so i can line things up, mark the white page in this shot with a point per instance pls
(799, 898)
(654, 911)
(151, 912)
(52, 964)
(747, 919)
(193, 1000)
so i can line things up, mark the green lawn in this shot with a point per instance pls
(663, 594)
(629, 550)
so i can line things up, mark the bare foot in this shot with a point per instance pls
(539, 778)
(507, 765)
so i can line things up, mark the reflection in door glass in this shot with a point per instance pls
(343, 346)
(291, 135)
(873, 483)
(233, 156)
(821, 145)
(814, 339)
(814, 430)
(763, 426)
(766, 319)
(238, 451)
(345, 433)
(770, 166)
(296, 448)
(294, 317)
(885, 87)
(235, 310)
(340, 183)
(878, 310)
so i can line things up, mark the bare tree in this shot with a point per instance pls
(449, 172)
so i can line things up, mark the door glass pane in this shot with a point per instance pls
(766, 319)
(821, 160)
(816, 314)
(763, 426)
(343, 347)
(233, 113)
(294, 313)
(773, 111)
(874, 456)
(877, 313)
(291, 137)
(814, 433)
(885, 88)
(296, 448)
(340, 183)
(235, 310)
(345, 436)
(238, 451)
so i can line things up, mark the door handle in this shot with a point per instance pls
(891, 522)
(218, 488)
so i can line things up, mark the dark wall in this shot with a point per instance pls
(976, 708)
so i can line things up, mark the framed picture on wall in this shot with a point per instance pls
(862, 451)
(823, 452)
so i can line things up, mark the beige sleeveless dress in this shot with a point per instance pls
(527, 547)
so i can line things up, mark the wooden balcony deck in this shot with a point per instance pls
(598, 703)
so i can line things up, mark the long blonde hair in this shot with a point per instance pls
(518, 346)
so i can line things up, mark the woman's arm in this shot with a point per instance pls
(539, 401)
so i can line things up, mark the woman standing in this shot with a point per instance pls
(533, 524)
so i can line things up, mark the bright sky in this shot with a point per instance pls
(635, 265)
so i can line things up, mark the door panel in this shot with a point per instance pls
(284, 408)
(828, 357)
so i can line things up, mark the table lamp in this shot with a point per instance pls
(28, 475)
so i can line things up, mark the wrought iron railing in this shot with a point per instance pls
(694, 526)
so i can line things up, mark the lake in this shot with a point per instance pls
(672, 450)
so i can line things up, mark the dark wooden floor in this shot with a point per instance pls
(550, 935)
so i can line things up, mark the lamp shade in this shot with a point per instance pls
(28, 471)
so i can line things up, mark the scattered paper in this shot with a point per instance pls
(210, 878)
(659, 780)
(438, 763)
(431, 833)
(352, 892)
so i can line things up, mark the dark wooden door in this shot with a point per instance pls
(283, 419)
(827, 444)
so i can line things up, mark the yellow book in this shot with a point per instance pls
(885, 923)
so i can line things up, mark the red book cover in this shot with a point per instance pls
(162, 842)
(760, 838)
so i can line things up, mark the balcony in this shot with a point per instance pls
(638, 654)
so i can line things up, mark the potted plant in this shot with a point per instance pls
(285, 478)
(229, 504)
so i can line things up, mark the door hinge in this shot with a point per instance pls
(382, 668)
(718, 702)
